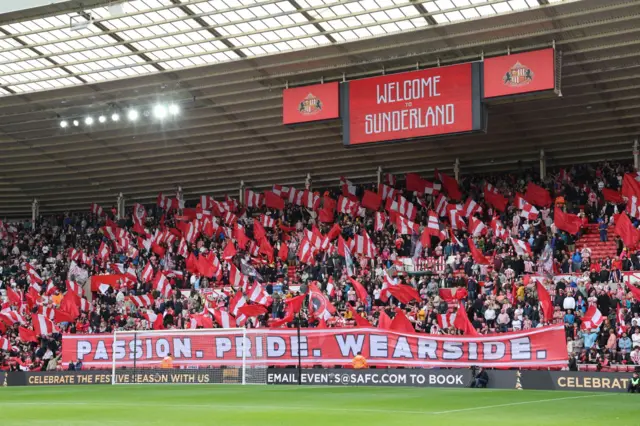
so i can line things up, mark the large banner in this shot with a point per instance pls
(540, 347)
(418, 104)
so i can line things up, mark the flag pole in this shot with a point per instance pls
(299, 356)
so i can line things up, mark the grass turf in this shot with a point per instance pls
(232, 405)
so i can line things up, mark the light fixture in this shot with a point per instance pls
(76, 123)
(174, 109)
(88, 121)
(159, 111)
(102, 119)
(115, 117)
(64, 124)
(133, 115)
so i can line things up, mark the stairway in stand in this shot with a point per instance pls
(591, 239)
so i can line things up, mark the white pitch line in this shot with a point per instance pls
(292, 407)
(485, 407)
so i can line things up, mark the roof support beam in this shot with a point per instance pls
(311, 19)
(423, 11)
(102, 27)
(187, 10)
(40, 54)
(543, 2)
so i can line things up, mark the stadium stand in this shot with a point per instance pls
(490, 251)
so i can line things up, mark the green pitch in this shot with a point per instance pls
(231, 405)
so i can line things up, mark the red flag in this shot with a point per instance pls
(450, 185)
(371, 200)
(545, 301)
(157, 249)
(272, 201)
(14, 297)
(192, 264)
(27, 335)
(326, 214)
(258, 231)
(537, 195)
(566, 221)
(462, 322)
(453, 295)
(634, 290)
(404, 293)
(266, 249)
(63, 316)
(627, 232)
(334, 232)
(360, 321)
(477, 255)
(252, 310)
(401, 323)
(384, 322)
(361, 292)
(240, 236)
(413, 182)
(203, 320)
(70, 303)
(294, 304)
(283, 253)
(492, 197)
(229, 251)
(612, 196)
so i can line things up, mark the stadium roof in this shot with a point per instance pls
(230, 128)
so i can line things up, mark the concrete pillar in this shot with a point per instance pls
(307, 182)
(379, 175)
(456, 169)
(241, 192)
(543, 165)
(120, 206)
(636, 152)
(35, 210)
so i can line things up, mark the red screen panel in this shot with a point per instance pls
(310, 103)
(416, 104)
(520, 73)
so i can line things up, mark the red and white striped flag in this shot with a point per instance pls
(347, 206)
(4, 344)
(306, 251)
(389, 179)
(223, 318)
(258, 295)
(454, 218)
(103, 252)
(253, 199)
(34, 277)
(266, 221)
(182, 248)
(521, 247)
(470, 208)
(281, 191)
(380, 220)
(236, 303)
(96, 209)
(592, 318)
(43, 325)
(528, 210)
(47, 312)
(11, 317)
(441, 205)
(404, 226)
(237, 279)
(406, 208)
(362, 244)
(498, 229)
(348, 188)
(387, 192)
(331, 287)
(142, 301)
(75, 287)
(476, 227)
(446, 320)
(161, 283)
(147, 273)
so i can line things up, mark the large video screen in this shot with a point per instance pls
(417, 104)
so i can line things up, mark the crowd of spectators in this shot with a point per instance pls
(500, 296)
